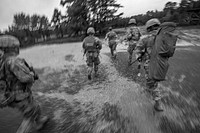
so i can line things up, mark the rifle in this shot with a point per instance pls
(133, 62)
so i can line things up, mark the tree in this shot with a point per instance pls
(169, 11)
(57, 22)
(34, 22)
(76, 16)
(20, 21)
(102, 11)
(82, 13)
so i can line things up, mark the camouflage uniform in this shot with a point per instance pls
(18, 77)
(143, 51)
(132, 37)
(92, 46)
(112, 36)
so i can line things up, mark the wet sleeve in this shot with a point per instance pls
(21, 71)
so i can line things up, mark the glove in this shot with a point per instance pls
(36, 77)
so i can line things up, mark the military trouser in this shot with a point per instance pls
(92, 61)
(112, 46)
(130, 49)
(145, 60)
(152, 87)
(146, 68)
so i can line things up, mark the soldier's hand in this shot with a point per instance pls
(139, 58)
(36, 77)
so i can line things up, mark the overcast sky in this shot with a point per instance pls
(45, 7)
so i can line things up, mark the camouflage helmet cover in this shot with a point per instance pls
(8, 41)
(132, 21)
(90, 30)
(110, 28)
(152, 22)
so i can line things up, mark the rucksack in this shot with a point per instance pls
(168, 41)
(90, 44)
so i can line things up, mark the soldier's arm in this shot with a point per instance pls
(83, 45)
(116, 36)
(106, 37)
(21, 71)
(129, 36)
(140, 33)
(140, 47)
(99, 43)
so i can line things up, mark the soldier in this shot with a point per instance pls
(146, 42)
(132, 37)
(163, 49)
(92, 46)
(143, 52)
(16, 79)
(112, 36)
(150, 48)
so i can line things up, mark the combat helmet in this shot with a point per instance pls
(90, 30)
(9, 43)
(152, 22)
(132, 21)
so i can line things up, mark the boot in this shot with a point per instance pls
(41, 122)
(157, 106)
(90, 73)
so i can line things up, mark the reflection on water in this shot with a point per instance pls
(10, 120)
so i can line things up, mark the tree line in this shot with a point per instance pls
(101, 14)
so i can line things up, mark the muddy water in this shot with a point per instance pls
(114, 102)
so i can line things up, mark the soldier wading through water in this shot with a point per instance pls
(92, 46)
(16, 80)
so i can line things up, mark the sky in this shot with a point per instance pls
(46, 7)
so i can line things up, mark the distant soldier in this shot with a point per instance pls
(132, 37)
(112, 42)
(16, 80)
(92, 46)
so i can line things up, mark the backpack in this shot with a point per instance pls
(168, 41)
(90, 44)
